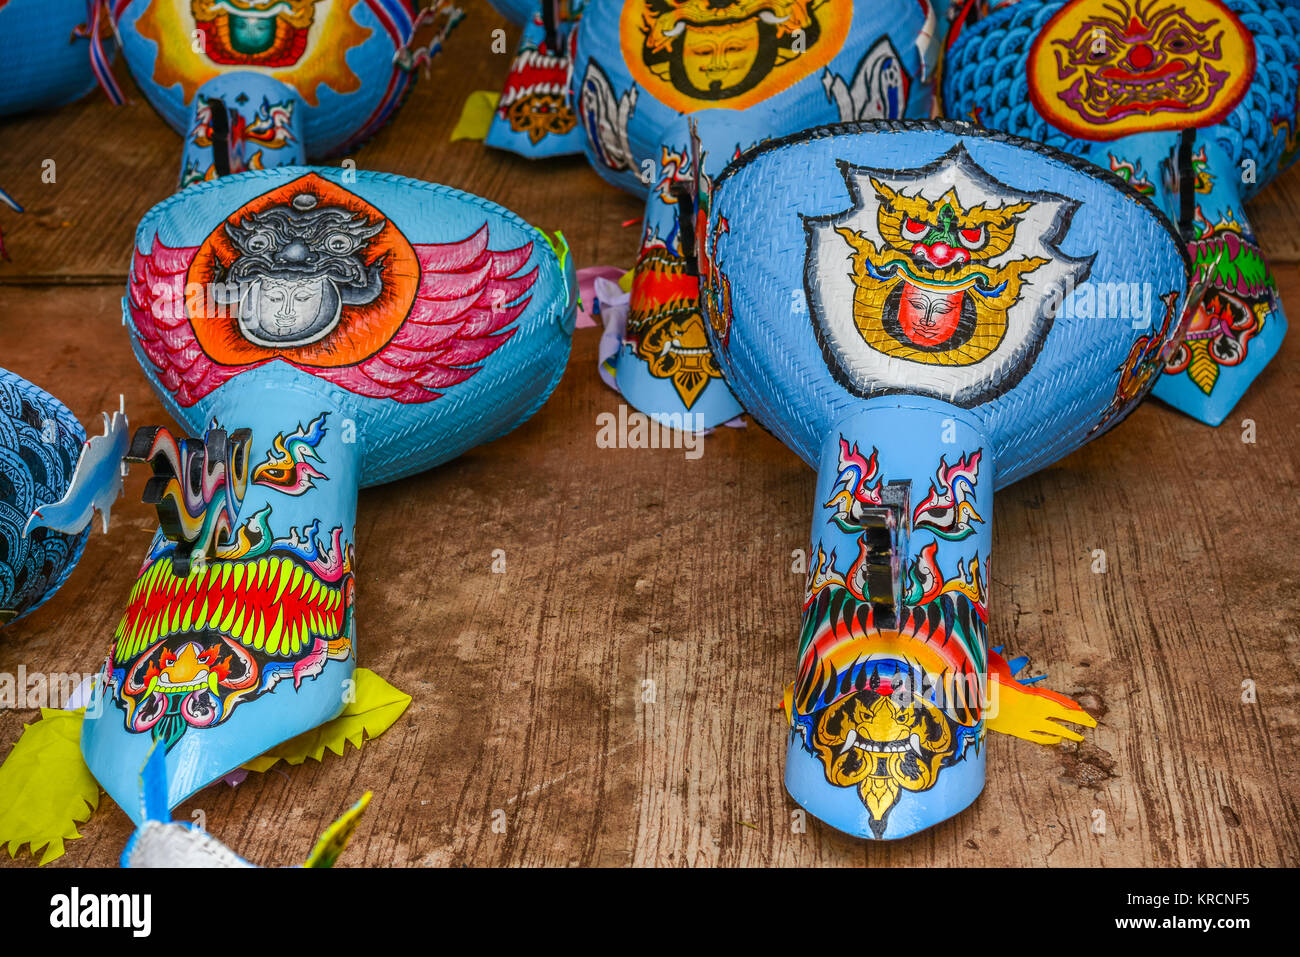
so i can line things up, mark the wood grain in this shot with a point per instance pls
(631, 566)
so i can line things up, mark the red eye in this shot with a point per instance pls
(973, 238)
(166, 658)
(914, 230)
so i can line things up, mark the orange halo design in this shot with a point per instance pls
(645, 33)
(331, 32)
(362, 331)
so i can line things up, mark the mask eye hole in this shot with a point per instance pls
(260, 241)
(338, 243)
(973, 238)
(912, 229)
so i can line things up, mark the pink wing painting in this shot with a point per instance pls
(467, 297)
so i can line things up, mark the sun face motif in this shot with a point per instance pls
(248, 32)
(299, 42)
(693, 54)
(719, 57)
(1102, 69)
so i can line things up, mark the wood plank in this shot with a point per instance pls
(628, 566)
(1274, 214)
(631, 565)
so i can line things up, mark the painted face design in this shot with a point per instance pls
(220, 614)
(886, 708)
(692, 54)
(246, 32)
(947, 293)
(665, 324)
(297, 265)
(191, 648)
(311, 274)
(929, 294)
(535, 100)
(288, 311)
(933, 297)
(718, 58)
(1240, 299)
(302, 43)
(1102, 69)
(884, 740)
(891, 687)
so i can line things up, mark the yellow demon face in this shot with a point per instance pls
(938, 280)
(942, 303)
(1102, 69)
(665, 323)
(883, 741)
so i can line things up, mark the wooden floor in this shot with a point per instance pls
(627, 567)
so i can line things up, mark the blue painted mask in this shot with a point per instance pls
(906, 305)
(51, 50)
(253, 84)
(315, 331)
(744, 71)
(40, 442)
(1195, 104)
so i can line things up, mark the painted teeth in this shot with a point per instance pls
(284, 581)
(271, 604)
(202, 680)
(875, 747)
(230, 617)
(536, 58)
(277, 630)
